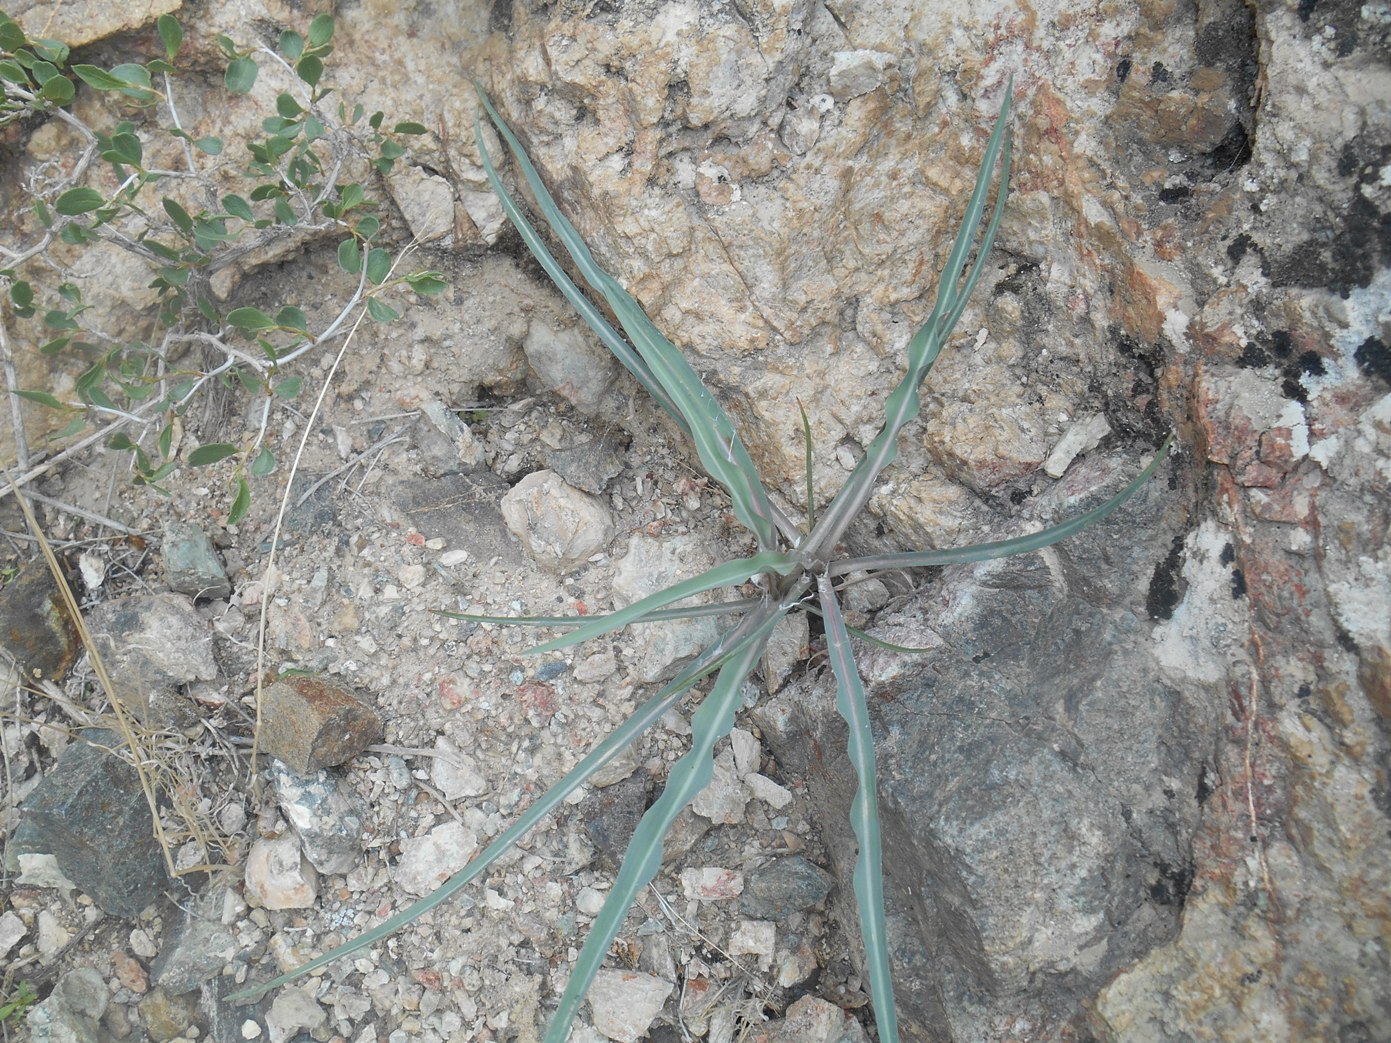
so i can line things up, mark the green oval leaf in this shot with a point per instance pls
(264, 463)
(79, 201)
(310, 69)
(292, 317)
(171, 34)
(211, 454)
(58, 89)
(380, 311)
(132, 75)
(321, 30)
(238, 207)
(410, 128)
(11, 35)
(287, 106)
(426, 283)
(178, 215)
(367, 227)
(378, 264)
(289, 387)
(240, 503)
(349, 256)
(22, 294)
(291, 44)
(209, 146)
(250, 319)
(241, 75)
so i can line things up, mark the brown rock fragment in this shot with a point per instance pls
(35, 628)
(310, 723)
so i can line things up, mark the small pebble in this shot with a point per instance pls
(712, 883)
(589, 901)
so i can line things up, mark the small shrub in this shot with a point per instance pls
(287, 186)
(796, 566)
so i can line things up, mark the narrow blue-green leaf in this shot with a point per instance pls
(612, 339)
(688, 776)
(864, 814)
(731, 572)
(41, 397)
(660, 615)
(811, 477)
(903, 404)
(716, 439)
(643, 718)
(1003, 548)
(879, 642)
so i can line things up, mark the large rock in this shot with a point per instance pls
(1040, 778)
(90, 813)
(152, 644)
(1197, 201)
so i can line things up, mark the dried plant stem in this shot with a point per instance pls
(268, 574)
(123, 721)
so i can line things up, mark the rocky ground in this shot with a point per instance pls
(1138, 791)
(461, 730)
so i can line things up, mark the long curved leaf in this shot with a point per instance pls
(952, 293)
(688, 776)
(717, 441)
(737, 571)
(1003, 548)
(864, 814)
(610, 337)
(723, 608)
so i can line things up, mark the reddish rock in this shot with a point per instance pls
(309, 723)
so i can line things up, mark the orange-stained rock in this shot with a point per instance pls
(309, 723)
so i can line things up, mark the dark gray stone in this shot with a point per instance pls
(1038, 777)
(462, 510)
(197, 949)
(611, 815)
(590, 466)
(784, 887)
(191, 565)
(90, 814)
